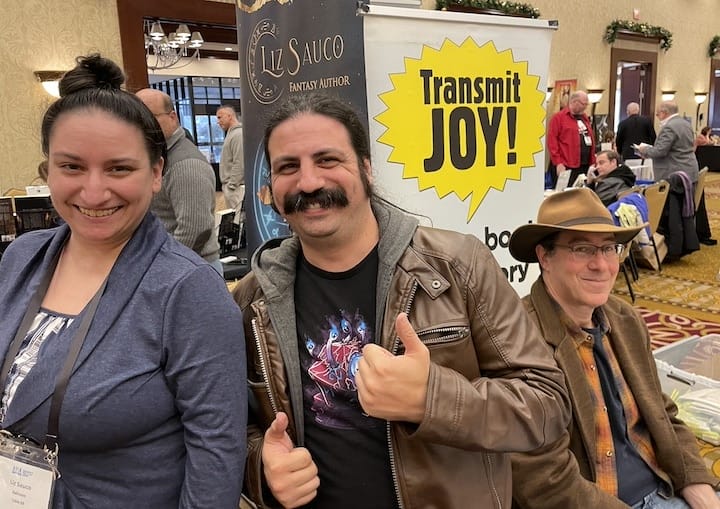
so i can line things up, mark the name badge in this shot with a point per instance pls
(27, 474)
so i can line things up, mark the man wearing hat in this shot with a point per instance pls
(625, 446)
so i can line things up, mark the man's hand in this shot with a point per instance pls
(395, 387)
(560, 168)
(290, 471)
(700, 496)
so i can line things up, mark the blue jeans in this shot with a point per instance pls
(655, 501)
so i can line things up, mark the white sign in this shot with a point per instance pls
(456, 104)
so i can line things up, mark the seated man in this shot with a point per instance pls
(625, 445)
(608, 177)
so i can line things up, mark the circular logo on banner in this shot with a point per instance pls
(463, 119)
(262, 73)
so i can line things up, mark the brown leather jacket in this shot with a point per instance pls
(493, 386)
(563, 474)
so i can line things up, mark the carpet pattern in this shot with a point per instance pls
(667, 328)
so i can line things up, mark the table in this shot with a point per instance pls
(708, 155)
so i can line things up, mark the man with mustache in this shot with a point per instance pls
(391, 365)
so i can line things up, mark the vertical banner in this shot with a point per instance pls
(456, 103)
(286, 47)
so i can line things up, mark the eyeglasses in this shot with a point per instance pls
(156, 115)
(586, 252)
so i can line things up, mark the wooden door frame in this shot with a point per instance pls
(618, 55)
(130, 18)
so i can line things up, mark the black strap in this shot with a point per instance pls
(64, 376)
(75, 346)
(30, 314)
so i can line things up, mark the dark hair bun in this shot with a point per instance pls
(92, 71)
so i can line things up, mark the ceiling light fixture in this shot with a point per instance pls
(165, 52)
(668, 95)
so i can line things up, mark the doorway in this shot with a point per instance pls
(633, 75)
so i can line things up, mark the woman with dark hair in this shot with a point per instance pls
(122, 349)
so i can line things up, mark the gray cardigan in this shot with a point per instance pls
(155, 410)
(186, 201)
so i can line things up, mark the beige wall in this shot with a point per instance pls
(42, 35)
(579, 51)
(49, 34)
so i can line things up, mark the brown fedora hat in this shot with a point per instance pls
(575, 210)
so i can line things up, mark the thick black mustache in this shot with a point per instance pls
(326, 198)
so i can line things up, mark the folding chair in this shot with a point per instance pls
(656, 194)
(700, 187)
(625, 256)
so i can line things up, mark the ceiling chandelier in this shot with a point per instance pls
(164, 52)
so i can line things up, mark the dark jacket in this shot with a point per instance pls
(492, 386)
(608, 187)
(635, 129)
(562, 474)
(680, 234)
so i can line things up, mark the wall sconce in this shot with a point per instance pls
(50, 81)
(594, 96)
(548, 94)
(700, 98)
(668, 95)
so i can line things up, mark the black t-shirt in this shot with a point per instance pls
(335, 319)
(585, 143)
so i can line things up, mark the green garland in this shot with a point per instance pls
(714, 45)
(663, 34)
(510, 8)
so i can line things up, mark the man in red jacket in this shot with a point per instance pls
(570, 139)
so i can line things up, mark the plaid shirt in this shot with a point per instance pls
(606, 472)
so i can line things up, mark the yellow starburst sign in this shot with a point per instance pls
(463, 119)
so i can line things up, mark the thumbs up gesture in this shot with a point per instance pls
(290, 471)
(395, 387)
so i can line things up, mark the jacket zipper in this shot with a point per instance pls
(393, 467)
(455, 333)
(263, 367)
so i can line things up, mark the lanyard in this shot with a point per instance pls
(75, 346)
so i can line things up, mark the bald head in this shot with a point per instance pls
(578, 102)
(161, 105)
(633, 109)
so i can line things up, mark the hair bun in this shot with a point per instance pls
(92, 71)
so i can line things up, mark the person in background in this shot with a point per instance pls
(704, 137)
(625, 446)
(186, 201)
(633, 130)
(155, 403)
(393, 364)
(232, 174)
(674, 147)
(570, 139)
(608, 141)
(702, 224)
(607, 178)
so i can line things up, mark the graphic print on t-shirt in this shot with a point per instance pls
(334, 349)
